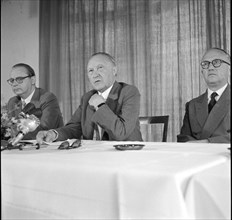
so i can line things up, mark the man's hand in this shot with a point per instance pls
(95, 100)
(48, 136)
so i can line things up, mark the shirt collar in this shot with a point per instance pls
(106, 93)
(28, 99)
(219, 92)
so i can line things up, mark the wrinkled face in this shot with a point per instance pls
(25, 88)
(101, 72)
(217, 75)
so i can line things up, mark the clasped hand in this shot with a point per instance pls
(48, 136)
(96, 100)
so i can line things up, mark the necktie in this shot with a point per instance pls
(23, 104)
(212, 101)
(96, 134)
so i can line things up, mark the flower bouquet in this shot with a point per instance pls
(8, 126)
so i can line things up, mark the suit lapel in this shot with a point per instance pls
(112, 102)
(217, 114)
(36, 97)
(202, 109)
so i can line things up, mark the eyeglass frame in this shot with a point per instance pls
(21, 78)
(67, 146)
(213, 61)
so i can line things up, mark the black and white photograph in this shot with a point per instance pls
(115, 109)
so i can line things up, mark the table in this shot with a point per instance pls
(96, 181)
(207, 196)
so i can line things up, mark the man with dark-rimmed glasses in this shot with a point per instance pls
(23, 83)
(207, 117)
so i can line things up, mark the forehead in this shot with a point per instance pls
(215, 54)
(99, 59)
(19, 71)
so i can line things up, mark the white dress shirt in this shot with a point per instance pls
(219, 92)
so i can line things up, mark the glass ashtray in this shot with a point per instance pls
(129, 146)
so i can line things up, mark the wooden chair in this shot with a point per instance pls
(156, 120)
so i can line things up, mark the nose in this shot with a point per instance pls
(211, 66)
(14, 83)
(95, 73)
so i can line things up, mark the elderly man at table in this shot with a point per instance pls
(108, 112)
(22, 81)
(207, 117)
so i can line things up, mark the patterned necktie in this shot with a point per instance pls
(212, 101)
(23, 104)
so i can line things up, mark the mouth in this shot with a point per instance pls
(97, 81)
(212, 74)
(16, 89)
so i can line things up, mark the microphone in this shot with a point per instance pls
(36, 112)
(28, 124)
(29, 107)
(29, 121)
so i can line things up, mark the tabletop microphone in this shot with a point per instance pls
(28, 124)
(36, 112)
(29, 107)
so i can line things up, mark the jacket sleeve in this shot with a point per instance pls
(51, 115)
(220, 139)
(120, 124)
(73, 128)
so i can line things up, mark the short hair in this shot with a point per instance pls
(106, 55)
(29, 69)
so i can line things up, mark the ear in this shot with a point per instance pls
(115, 70)
(33, 80)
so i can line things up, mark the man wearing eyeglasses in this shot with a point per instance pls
(22, 81)
(207, 117)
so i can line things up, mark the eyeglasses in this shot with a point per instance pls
(216, 63)
(19, 80)
(66, 145)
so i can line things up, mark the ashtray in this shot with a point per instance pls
(129, 146)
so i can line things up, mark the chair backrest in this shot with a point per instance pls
(157, 120)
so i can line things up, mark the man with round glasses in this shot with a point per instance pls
(23, 83)
(207, 117)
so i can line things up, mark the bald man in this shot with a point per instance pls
(207, 117)
(108, 112)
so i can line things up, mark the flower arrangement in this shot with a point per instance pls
(8, 124)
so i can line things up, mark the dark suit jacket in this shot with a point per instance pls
(51, 115)
(199, 125)
(118, 117)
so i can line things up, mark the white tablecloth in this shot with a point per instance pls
(97, 181)
(208, 193)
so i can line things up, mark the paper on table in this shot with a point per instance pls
(29, 141)
(57, 143)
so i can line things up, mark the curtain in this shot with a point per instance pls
(158, 45)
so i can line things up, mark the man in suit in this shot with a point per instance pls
(108, 112)
(207, 117)
(22, 81)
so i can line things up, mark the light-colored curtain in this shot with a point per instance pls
(157, 44)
